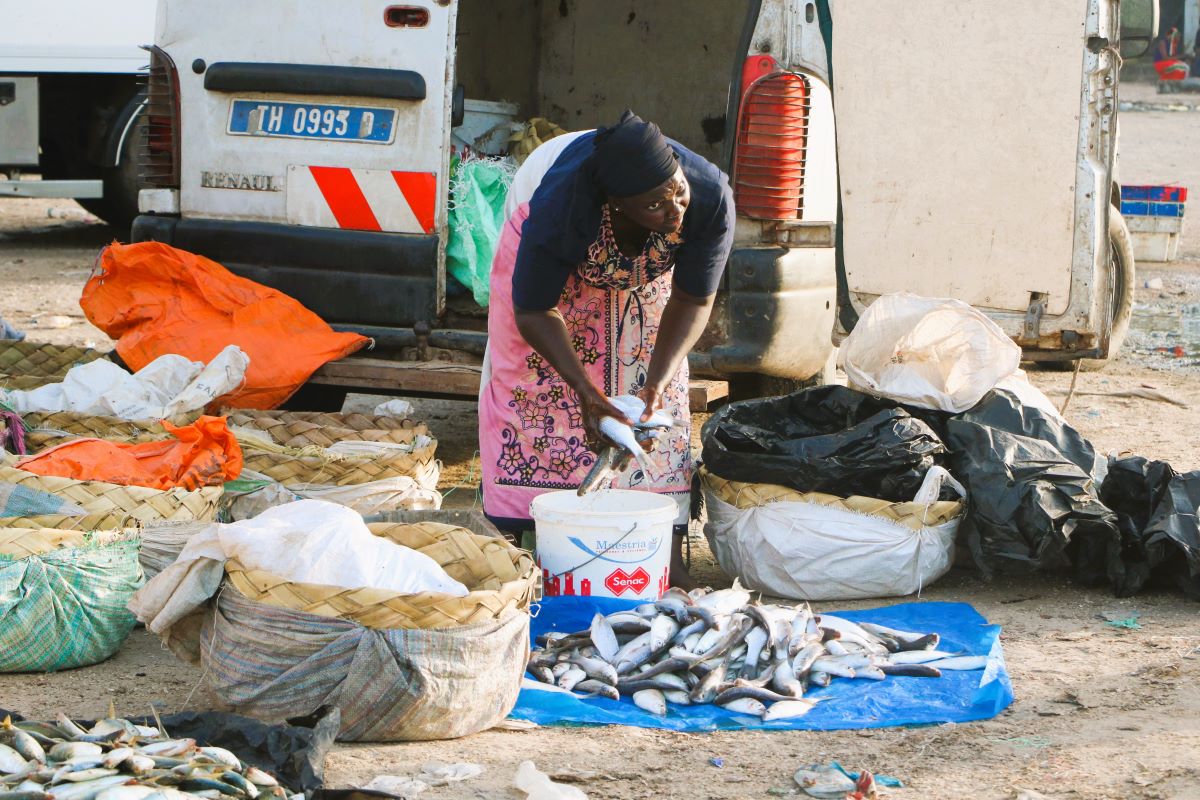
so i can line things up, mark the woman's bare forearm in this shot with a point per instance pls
(682, 325)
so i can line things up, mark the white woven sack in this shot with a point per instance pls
(808, 551)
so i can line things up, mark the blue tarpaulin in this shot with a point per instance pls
(960, 696)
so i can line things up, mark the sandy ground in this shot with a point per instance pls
(1100, 712)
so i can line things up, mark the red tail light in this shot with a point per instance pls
(772, 134)
(158, 165)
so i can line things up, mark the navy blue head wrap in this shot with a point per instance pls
(632, 157)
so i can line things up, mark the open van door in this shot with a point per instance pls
(975, 152)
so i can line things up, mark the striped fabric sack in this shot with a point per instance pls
(390, 685)
(66, 608)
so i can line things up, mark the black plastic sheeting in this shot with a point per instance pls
(1156, 511)
(1029, 507)
(294, 753)
(828, 439)
(1032, 502)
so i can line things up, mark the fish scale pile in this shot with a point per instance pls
(720, 647)
(118, 760)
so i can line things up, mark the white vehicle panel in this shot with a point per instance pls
(355, 37)
(80, 36)
(981, 208)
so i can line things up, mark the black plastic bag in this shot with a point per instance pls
(1002, 410)
(1156, 512)
(828, 439)
(1029, 506)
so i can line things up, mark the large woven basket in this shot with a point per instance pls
(500, 577)
(751, 495)
(313, 428)
(17, 543)
(48, 429)
(111, 506)
(23, 383)
(314, 466)
(26, 358)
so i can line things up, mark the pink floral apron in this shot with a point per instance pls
(530, 429)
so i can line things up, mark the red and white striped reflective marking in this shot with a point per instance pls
(362, 199)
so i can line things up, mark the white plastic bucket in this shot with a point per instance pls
(610, 543)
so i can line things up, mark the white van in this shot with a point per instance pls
(71, 75)
(956, 148)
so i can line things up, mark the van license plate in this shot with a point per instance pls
(312, 121)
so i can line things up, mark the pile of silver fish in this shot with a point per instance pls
(115, 759)
(721, 647)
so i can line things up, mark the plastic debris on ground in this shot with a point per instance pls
(957, 696)
(828, 439)
(537, 785)
(832, 782)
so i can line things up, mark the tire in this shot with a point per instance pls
(119, 205)
(1122, 281)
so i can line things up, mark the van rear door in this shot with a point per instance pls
(325, 122)
(974, 152)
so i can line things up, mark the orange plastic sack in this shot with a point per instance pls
(205, 453)
(155, 299)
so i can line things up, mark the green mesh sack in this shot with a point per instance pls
(66, 608)
(479, 187)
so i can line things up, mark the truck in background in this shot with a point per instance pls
(71, 84)
(870, 151)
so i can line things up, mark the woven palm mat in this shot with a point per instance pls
(500, 579)
(311, 428)
(313, 465)
(24, 383)
(19, 543)
(751, 495)
(111, 506)
(48, 429)
(39, 358)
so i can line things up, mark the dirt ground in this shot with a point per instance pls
(1100, 712)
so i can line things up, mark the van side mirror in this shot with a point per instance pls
(1139, 26)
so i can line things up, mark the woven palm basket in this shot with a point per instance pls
(499, 577)
(291, 466)
(24, 383)
(751, 495)
(313, 428)
(41, 359)
(111, 506)
(18, 543)
(48, 429)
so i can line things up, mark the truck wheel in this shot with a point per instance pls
(1122, 276)
(119, 205)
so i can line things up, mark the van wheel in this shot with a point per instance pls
(119, 205)
(1122, 277)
